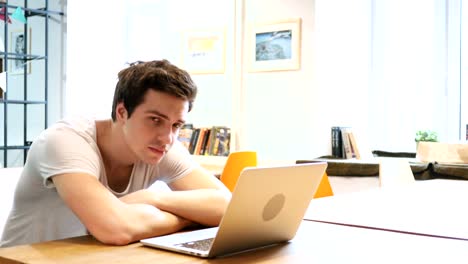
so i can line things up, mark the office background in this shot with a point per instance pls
(385, 68)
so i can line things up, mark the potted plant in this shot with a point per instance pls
(425, 135)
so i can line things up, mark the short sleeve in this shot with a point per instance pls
(61, 150)
(176, 164)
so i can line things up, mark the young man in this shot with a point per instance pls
(91, 176)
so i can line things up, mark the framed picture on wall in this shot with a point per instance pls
(275, 46)
(20, 48)
(203, 51)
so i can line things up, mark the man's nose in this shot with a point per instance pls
(165, 135)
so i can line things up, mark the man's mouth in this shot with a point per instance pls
(158, 150)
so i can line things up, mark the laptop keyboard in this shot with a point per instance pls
(202, 245)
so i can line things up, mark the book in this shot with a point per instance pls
(199, 143)
(336, 142)
(347, 149)
(204, 143)
(221, 143)
(185, 135)
(210, 145)
(354, 145)
(193, 140)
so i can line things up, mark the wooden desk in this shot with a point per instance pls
(314, 243)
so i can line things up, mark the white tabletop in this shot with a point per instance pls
(330, 243)
(433, 207)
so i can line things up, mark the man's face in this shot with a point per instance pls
(154, 125)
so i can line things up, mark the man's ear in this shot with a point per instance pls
(121, 111)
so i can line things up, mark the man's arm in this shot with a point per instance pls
(109, 219)
(199, 197)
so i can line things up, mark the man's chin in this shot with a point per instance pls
(153, 160)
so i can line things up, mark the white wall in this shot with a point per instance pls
(156, 31)
(464, 74)
(95, 54)
(288, 114)
(57, 61)
(284, 114)
(143, 30)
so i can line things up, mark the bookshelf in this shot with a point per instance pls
(210, 158)
(206, 141)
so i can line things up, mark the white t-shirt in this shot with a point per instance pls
(39, 214)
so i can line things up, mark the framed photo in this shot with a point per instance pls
(19, 46)
(275, 46)
(203, 51)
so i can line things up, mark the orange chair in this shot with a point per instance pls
(235, 163)
(324, 188)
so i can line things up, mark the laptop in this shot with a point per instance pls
(266, 208)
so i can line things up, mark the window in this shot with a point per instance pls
(414, 81)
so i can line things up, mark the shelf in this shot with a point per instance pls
(40, 12)
(29, 12)
(14, 147)
(34, 118)
(214, 164)
(21, 56)
(21, 102)
(214, 160)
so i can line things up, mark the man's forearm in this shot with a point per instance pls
(140, 221)
(203, 206)
(149, 222)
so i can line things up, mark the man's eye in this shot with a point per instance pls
(156, 120)
(178, 126)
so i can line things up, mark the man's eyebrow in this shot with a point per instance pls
(155, 112)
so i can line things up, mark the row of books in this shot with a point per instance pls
(209, 141)
(344, 143)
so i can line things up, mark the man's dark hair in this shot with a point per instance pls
(158, 75)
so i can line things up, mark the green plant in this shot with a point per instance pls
(426, 135)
